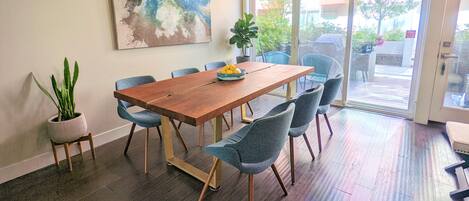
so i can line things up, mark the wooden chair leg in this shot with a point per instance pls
(308, 145)
(129, 138)
(179, 125)
(251, 187)
(54, 151)
(159, 132)
(328, 124)
(292, 161)
(69, 159)
(279, 179)
(231, 118)
(318, 131)
(79, 148)
(250, 108)
(226, 122)
(210, 175)
(90, 139)
(147, 135)
(179, 136)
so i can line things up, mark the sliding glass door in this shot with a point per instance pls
(374, 46)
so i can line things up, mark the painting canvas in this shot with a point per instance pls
(151, 23)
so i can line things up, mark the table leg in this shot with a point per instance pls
(244, 115)
(291, 90)
(217, 136)
(180, 163)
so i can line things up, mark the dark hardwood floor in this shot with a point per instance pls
(369, 157)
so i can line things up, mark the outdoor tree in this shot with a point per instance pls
(274, 25)
(384, 9)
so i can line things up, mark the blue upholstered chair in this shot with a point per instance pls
(253, 148)
(214, 65)
(144, 118)
(306, 107)
(276, 57)
(184, 72)
(322, 65)
(220, 64)
(331, 89)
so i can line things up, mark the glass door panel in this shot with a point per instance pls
(322, 35)
(384, 38)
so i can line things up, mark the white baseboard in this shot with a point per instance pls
(45, 159)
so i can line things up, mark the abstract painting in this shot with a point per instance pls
(151, 23)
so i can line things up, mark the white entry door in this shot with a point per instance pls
(450, 100)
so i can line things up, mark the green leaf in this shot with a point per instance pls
(45, 91)
(67, 80)
(76, 71)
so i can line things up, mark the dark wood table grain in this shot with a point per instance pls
(200, 97)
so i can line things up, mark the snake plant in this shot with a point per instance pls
(64, 98)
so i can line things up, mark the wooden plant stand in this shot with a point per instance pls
(88, 138)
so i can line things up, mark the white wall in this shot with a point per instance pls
(35, 36)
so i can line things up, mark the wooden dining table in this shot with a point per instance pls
(201, 97)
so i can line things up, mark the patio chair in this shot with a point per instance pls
(322, 65)
(276, 57)
(144, 118)
(254, 148)
(331, 89)
(184, 72)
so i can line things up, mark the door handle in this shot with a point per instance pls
(449, 56)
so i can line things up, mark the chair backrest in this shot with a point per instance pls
(184, 72)
(322, 64)
(265, 138)
(306, 106)
(132, 82)
(215, 65)
(331, 89)
(276, 57)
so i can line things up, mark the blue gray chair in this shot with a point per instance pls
(215, 65)
(184, 72)
(254, 148)
(144, 118)
(306, 107)
(221, 64)
(322, 65)
(276, 57)
(331, 89)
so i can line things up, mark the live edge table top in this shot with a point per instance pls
(199, 97)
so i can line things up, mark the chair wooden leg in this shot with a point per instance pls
(210, 175)
(292, 161)
(328, 124)
(201, 135)
(231, 118)
(308, 145)
(90, 139)
(226, 122)
(279, 179)
(318, 131)
(129, 138)
(79, 148)
(179, 136)
(179, 125)
(69, 159)
(147, 135)
(54, 151)
(251, 187)
(159, 132)
(250, 108)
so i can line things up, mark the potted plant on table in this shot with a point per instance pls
(244, 31)
(68, 125)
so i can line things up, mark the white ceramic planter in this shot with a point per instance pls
(67, 131)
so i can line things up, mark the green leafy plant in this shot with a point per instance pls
(394, 35)
(363, 36)
(64, 98)
(245, 30)
(274, 26)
